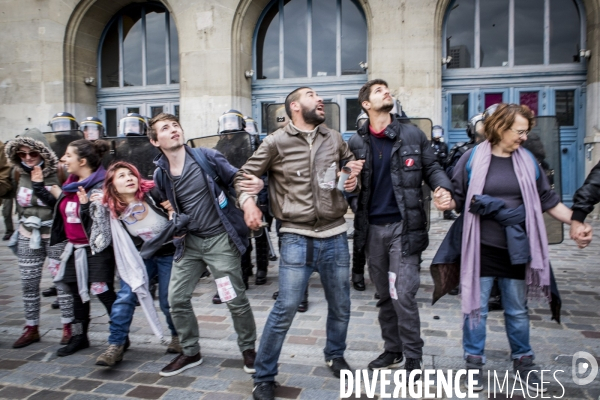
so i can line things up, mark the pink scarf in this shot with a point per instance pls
(537, 273)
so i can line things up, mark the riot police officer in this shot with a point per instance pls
(63, 121)
(440, 149)
(133, 124)
(476, 135)
(231, 122)
(92, 128)
(264, 251)
(252, 129)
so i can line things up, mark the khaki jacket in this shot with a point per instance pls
(299, 196)
(5, 185)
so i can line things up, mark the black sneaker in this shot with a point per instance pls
(338, 364)
(264, 390)
(386, 360)
(525, 370)
(412, 364)
(476, 363)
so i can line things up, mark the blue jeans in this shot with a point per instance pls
(331, 259)
(124, 307)
(516, 317)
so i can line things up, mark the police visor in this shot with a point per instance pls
(132, 126)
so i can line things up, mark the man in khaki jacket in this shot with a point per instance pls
(303, 160)
(5, 185)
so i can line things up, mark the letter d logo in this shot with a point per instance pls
(580, 368)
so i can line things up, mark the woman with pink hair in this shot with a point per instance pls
(134, 202)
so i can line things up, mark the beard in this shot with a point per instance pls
(386, 107)
(311, 117)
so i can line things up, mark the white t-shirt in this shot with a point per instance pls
(148, 227)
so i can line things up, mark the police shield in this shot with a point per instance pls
(426, 126)
(236, 146)
(277, 117)
(60, 140)
(136, 150)
(544, 143)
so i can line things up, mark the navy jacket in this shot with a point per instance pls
(231, 217)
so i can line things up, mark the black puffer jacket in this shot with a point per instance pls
(411, 143)
(587, 196)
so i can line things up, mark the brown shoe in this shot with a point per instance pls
(174, 346)
(111, 356)
(180, 364)
(66, 334)
(30, 335)
(249, 357)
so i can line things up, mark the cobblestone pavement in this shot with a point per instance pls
(36, 373)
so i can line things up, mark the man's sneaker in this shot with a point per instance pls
(475, 363)
(180, 364)
(386, 360)
(338, 364)
(174, 346)
(525, 370)
(111, 356)
(249, 357)
(264, 390)
(412, 364)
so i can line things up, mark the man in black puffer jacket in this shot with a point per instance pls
(390, 220)
(584, 200)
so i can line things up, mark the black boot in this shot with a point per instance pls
(303, 307)
(78, 341)
(358, 282)
(262, 259)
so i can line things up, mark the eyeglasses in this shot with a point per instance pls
(521, 133)
(24, 154)
(131, 213)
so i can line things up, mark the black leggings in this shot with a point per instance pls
(81, 310)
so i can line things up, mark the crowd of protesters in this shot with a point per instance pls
(196, 214)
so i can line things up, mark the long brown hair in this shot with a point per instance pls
(112, 197)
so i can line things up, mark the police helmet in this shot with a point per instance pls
(231, 121)
(397, 109)
(251, 125)
(361, 119)
(63, 121)
(472, 125)
(490, 110)
(133, 124)
(437, 131)
(92, 128)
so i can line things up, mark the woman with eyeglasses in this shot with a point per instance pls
(502, 194)
(136, 204)
(33, 160)
(82, 270)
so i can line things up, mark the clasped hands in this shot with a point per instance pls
(442, 199)
(581, 233)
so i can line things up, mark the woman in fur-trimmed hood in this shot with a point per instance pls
(33, 163)
(36, 141)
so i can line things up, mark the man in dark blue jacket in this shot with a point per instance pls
(390, 220)
(196, 182)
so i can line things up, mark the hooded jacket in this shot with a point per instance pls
(28, 203)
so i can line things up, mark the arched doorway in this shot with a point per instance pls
(321, 44)
(525, 52)
(138, 64)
